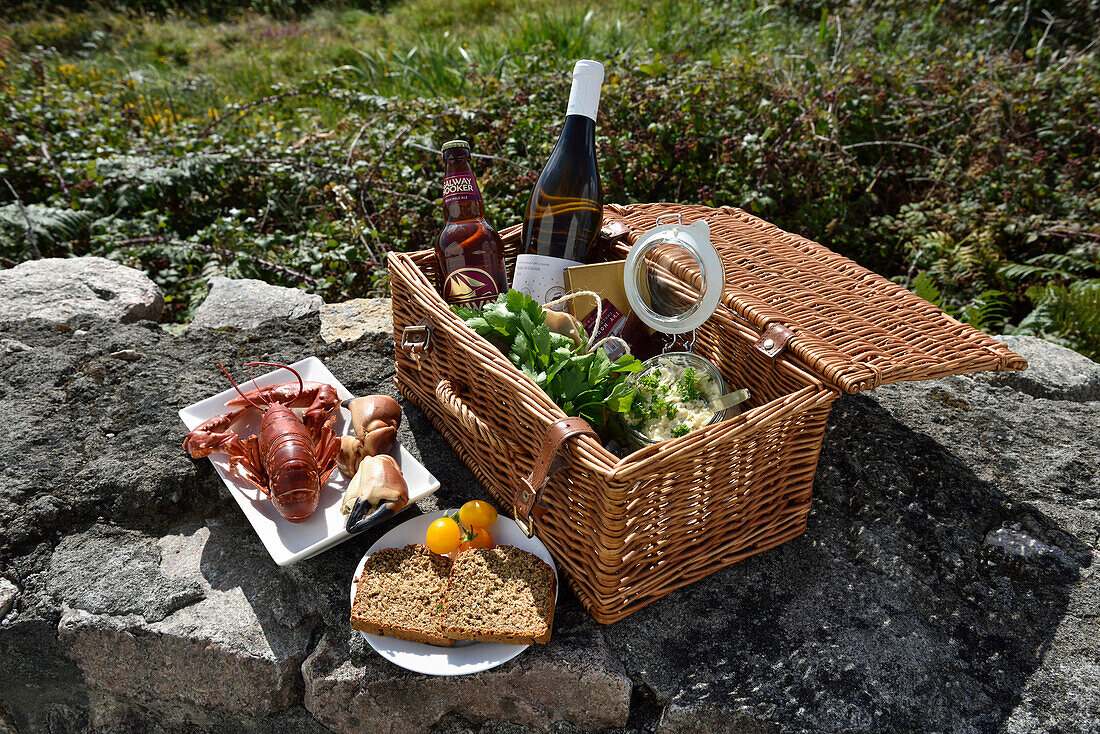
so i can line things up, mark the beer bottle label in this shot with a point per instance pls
(541, 277)
(460, 187)
(470, 287)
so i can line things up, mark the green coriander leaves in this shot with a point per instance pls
(587, 385)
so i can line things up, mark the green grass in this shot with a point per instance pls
(959, 141)
(418, 48)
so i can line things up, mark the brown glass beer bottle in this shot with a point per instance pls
(469, 250)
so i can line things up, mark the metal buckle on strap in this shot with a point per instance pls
(522, 507)
(417, 338)
(527, 524)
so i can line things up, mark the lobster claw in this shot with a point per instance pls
(378, 485)
(379, 440)
(364, 515)
(351, 453)
(375, 420)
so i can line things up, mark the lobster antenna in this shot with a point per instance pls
(258, 407)
(301, 384)
(256, 385)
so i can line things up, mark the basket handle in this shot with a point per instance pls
(465, 415)
(549, 463)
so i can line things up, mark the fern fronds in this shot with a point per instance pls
(987, 310)
(925, 287)
(49, 224)
(1068, 315)
(1066, 267)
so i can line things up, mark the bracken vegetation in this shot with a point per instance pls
(952, 147)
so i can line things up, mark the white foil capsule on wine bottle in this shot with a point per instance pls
(584, 95)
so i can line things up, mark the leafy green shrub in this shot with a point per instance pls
(958, 157)
(1066, 298)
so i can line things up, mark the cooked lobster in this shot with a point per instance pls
(291, 458)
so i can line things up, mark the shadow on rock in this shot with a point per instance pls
(458, 484)
(889, 614)
(233, 558)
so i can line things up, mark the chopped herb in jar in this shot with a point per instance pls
(672, 400)
(688, 385)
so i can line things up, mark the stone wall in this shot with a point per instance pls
(946, 581)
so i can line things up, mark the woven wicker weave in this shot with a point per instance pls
(854, 328)
(626, 532)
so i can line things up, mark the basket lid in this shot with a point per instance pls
(851, 326)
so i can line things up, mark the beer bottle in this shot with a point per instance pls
(469, 250)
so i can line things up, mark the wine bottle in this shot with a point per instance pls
(565, 211)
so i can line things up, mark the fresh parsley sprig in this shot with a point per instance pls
(583, 384)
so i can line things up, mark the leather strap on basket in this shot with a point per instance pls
(615, 230)
(774, 340)
(417, 340)
(549, 463)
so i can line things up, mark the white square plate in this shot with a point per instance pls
(290, 542)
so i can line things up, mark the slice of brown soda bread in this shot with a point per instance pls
(401, 594)
(502, 594)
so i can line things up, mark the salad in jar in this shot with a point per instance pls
(673, 394)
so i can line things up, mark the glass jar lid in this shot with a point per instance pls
(658, 271)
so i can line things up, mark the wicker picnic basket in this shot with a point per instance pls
(797, 325)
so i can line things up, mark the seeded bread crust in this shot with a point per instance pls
(400, 595)
(502, 594)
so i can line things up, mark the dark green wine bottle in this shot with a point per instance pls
(565, 211)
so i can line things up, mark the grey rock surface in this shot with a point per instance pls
(9, 592)
(1018, 543)
(350, 321)
(190, 616)
(245, 303)
(1053, 372)
(57, 289)
(575, 680)
(904, 606)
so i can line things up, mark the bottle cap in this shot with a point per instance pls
(589, 68)
(455, 144)
(584, 94)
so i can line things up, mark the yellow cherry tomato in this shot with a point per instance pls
(443, 536)
(477, 514)
(476, 538)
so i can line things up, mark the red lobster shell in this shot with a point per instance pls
(291, 458)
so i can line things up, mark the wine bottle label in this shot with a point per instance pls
(460, 187)
(470, 287)
(541, 277)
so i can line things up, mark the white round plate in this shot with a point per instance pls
(463, 657)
